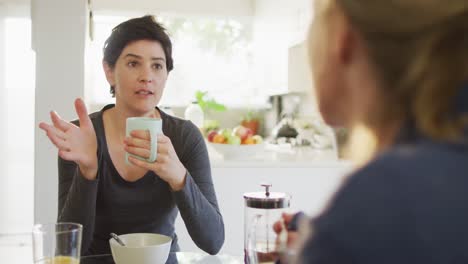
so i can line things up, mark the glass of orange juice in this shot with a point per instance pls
(57, 243)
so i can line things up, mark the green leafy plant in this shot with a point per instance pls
(251, 115)
(207, 103)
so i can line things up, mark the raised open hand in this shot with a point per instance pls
(75, 143)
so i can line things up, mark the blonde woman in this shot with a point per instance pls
(399, 69)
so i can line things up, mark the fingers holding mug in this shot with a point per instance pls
(142, 132)
(142, 152)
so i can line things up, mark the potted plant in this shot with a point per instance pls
(208, 104)
(251, 120)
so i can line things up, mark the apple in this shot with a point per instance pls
(257, 139)
(248, 141)
(218, 138)
(233, 140)
(211, 135)
(242, 132)
(226, 132)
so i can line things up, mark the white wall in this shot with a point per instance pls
(59, 34)
(17, 118)
(199, 7)
(15, 8)
(19, 123)
(3, 113)
(16, 2)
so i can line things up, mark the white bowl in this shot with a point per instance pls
(141, 248)
(237, 151)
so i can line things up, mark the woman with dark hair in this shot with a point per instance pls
(399, 69)
(96, 186)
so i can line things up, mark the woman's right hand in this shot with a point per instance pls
(75, 143)
(283, 223)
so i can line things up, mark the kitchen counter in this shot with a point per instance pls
(278, 163)
(297, 158)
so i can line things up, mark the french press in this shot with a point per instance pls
(262, 210)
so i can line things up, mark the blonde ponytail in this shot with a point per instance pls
(420, 50)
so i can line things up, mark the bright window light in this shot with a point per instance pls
(18, 185)
(210, 54)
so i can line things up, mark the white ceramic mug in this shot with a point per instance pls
(153, 126)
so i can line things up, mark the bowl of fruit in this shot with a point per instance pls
(237, 143)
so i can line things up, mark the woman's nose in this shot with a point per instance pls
(146, 80)
(145, 76)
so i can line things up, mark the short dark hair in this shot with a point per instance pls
(141, 28)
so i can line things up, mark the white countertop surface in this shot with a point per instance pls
(297, 158)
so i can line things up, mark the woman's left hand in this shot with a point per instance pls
(167, 165)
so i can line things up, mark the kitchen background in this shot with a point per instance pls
(246, 54)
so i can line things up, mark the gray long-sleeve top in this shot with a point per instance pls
(408, 205)
(111, 204)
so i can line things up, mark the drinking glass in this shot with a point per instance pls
(57, 243)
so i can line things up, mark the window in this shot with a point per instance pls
(210, 54)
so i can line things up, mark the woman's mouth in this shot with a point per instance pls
(144, 92)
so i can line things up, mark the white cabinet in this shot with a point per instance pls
(310, 184)
(299, 73)
(278, 25)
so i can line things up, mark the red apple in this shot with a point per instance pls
(211, 135)
(242, 132)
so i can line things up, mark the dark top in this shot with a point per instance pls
(111, 204)
(409, 205)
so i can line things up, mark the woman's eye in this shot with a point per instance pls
(132, 63)
(157, 66)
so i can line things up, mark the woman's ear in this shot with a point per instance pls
(345, 42)
(109, 71)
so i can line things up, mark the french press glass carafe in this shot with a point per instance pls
(262, 210)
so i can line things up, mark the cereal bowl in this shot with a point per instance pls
(141, 248)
